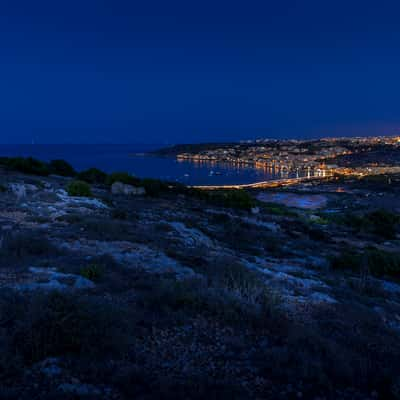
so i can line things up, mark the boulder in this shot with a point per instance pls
(21, 189)
(191, 237)
(140, 191)
(126, 190)
(18, 189)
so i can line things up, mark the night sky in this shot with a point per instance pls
(166, 71)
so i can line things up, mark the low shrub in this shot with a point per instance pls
(384, 263)
(27, 165)
(248, 238)
(320, 221)
(237, 198)
(380, 222)
(154, 187)
(230, 302)
(21, 245)
(229, 291)
(278, 209)
(93, 175)
(79, 188)
(376, 262)
(94, 272)
(42, 325)
(239, 280)
(62, 168)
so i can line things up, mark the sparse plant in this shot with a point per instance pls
(79, 188)
(154, 187)
(44, 325)
(320, 221)
(23, 244)
(278, 209)
(376, 262)
(94, 272)
(93, 175)
(27, 165)
(380, 222)
(62, 168)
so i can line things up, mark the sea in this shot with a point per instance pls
(136, 160)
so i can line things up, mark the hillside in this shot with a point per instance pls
(177, 294)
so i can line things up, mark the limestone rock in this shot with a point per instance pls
(21, 189)
(79, 389)
(51, 279)
(127, 190)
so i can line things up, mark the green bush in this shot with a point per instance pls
(27, 165)
(383, 263)
(237, 198)
(79, 188)
(320, 221)
(278, 209)
(94, 272)
(381, 222)
(154, 187)
(122, 177)
(62, 168)
(377, 262)
(93, 175)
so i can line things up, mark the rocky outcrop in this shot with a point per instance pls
(295, 284)
(20, 190)
(56, 203)
(66, 201)
(51, 279)
(132, 255)
(119, 188)
(191, 237)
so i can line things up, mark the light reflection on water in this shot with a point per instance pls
(121, 158)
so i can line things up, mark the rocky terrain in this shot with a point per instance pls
(167, 294)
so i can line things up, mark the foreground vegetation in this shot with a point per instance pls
(188, 294)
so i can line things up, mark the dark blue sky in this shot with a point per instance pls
(189, 71)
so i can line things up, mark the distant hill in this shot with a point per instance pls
(191, 148)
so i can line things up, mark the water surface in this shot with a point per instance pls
(127, 158)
